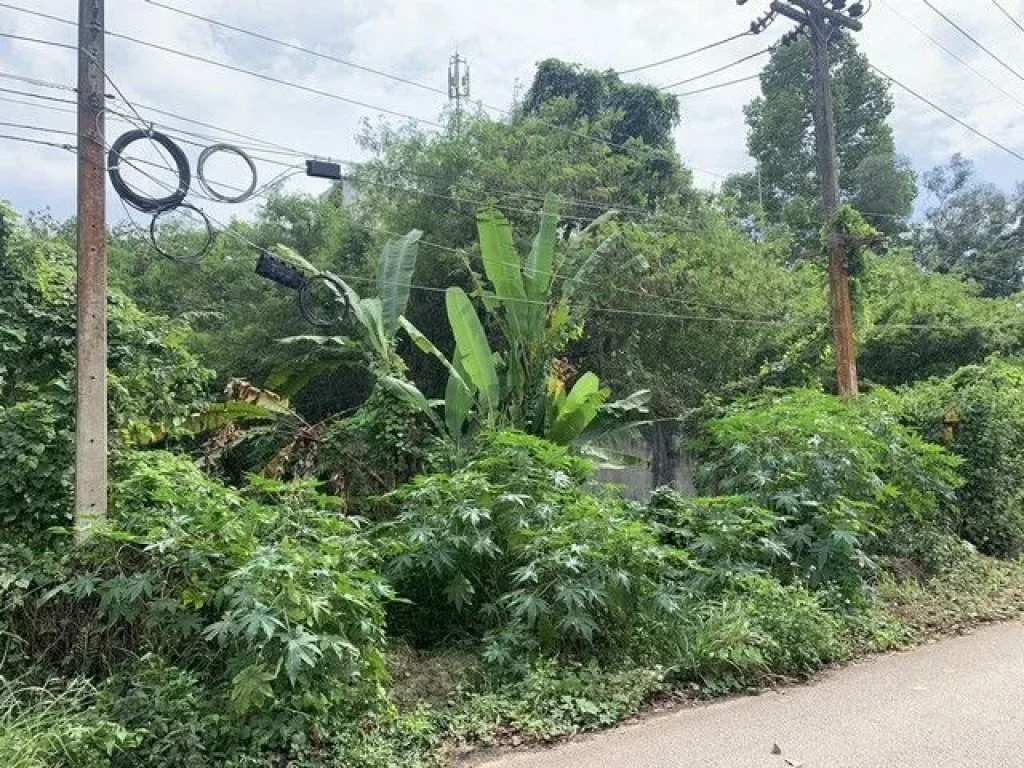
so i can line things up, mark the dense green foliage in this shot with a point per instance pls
(382, 544)
(781, 138)
(838, 475)
(512, 546)
(155, 381)
(979, 413)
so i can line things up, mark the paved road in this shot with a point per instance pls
(954, 704)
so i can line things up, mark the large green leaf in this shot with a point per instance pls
(504, 269)
(426, 345)
(394, 277)
(578, 410)
(474, 353)
(576, 285)
(540, 263)
(458, 400)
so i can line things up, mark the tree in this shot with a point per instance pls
(974, 229)
(642, 111)
(873, 177)
(913, 325)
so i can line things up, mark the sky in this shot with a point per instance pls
(502, 40)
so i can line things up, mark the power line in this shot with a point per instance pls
(299, 48)
(1008, 15)
(27, 140)
(215, 63)
(40, 41)
(37, 82)
(717, 70)
(686, 55)
(715, 87)
(41, 128)
(974, 40)
(952, 53)
(42, 96)
(947, 113)
(309, 51)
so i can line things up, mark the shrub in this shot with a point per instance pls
(383, 445)
(267, 598)
(727, 537)
(838, 474)
(988, 400)
(172, 714)
(513, 547)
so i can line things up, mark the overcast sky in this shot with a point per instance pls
(502, 39)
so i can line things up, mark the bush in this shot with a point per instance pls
(266, 598)
(512, 546)
(172, 714)
(383, 445)
(727, 537)
(838, 474)
(988, 401)
(758, 629)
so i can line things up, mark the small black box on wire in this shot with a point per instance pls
(322, 169)
(279, 271)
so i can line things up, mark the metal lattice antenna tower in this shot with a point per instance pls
(458, 84)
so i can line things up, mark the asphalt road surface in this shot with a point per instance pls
(954, 704)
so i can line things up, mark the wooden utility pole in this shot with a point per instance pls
(91, 420)
(819, 20)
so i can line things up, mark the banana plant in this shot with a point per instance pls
(523, 388)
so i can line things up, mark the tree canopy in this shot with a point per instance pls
(873, 178)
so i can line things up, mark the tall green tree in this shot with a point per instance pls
(642, 111)
(974, 229)
(873, 178)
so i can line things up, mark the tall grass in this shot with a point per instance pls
(50, 727)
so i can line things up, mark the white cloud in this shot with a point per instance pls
(503, 40)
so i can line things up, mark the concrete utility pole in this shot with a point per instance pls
(820, 20)
(91, 421)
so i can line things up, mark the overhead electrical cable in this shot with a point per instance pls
(300, 48)
(215, 63)
(950, 115)
(1008, 15)
(893, 9)
(686, 55)
(41, 142)
(501, 110)
(1001, 61)
(717, 70)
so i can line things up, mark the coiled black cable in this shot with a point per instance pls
(129, 195)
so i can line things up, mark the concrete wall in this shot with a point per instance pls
(638, 479)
